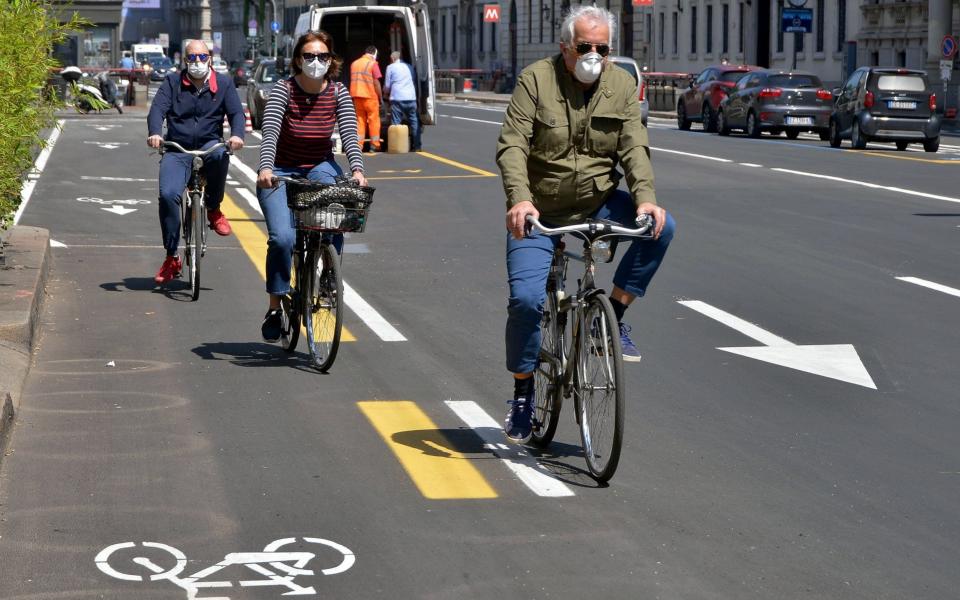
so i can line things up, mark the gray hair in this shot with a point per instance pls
(589, 12)
(395, 55)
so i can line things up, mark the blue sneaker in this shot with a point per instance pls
(630, 351)
(518, 426)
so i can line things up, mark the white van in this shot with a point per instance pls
(355, 27)
(147, 52)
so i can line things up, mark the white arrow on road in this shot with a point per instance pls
(836, 361)
(119, 210)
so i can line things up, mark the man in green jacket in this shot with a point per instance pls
(572, 118)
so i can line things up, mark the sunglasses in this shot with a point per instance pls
(310, 56)
(584, 47)
(196, 57)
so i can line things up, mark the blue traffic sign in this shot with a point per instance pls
(948, 47)
(797, 20)
(274, 26)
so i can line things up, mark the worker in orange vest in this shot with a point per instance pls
(367, 95)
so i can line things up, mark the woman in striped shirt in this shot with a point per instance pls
(297, 124)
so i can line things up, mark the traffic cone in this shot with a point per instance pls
(248, 124)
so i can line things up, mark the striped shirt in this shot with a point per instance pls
(297, 126)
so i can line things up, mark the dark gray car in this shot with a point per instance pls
(886, 104)
(265, 75)
(776, 101)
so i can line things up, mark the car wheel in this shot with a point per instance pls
(857, 139)
(753, 125)
(932, 144)
(834, 134)
(722, 127)
(901, 146)
(793, 134)
(709, 119)
(682, 121)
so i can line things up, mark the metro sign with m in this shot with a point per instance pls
(491, 13)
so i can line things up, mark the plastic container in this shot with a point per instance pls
(398, 139)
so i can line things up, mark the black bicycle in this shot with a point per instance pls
(584, 360)
(193, 213)
(316, 297)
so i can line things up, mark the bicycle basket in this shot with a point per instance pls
(341, 207)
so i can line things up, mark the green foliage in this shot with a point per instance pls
(28, 31)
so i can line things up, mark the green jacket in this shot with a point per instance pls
(560, 154)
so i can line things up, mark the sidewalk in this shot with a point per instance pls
(22, 283)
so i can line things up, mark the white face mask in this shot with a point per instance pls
(198, 70)
(316, 68)
(588, 67)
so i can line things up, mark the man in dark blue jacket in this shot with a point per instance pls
(193, 102)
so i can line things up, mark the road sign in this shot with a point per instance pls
(252, 28)
(217, 41)
(948, 47)
(491, 13)
(164, 39)
(797, 20)
(274, 26)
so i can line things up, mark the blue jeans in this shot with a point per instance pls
(400, 109)
(175, 170)
(281, 234)
(528, 264)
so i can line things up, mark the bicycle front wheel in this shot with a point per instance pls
(549, 399)
(196, 248)
(322, 305)
(599, 387)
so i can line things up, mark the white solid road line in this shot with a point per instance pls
(931, 285)
(27, 190)
(867, 184)
(524, 466)
(469, 119)
(384, 330)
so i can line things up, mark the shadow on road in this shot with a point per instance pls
(254, 354)
(177, 289)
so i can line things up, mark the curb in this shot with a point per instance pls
(22, 290)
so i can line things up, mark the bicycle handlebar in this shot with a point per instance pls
(597, 229)
(201, 153)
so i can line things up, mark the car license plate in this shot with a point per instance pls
(903, 105)
(799, 120)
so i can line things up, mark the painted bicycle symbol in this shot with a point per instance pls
(275, 566)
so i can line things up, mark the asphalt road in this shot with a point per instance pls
(791, 428)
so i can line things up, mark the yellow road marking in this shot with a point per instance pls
(459, 165)
(898, 157)
(439, 471)
(254, 243)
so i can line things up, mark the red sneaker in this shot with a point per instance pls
(219, 223)
(169, 271)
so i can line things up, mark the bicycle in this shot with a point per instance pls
(193, 213)
(588, 365)
(316, 297)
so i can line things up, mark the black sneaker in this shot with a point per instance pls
(518, 426)
(272, 326)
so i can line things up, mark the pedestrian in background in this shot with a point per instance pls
(401, 89)
(367, 96)
(127, 61)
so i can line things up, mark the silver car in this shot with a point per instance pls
(777, 101)
(630, 66)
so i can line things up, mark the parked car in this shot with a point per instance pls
(161, 66)
(777, 101)
(630, 66)
(699, 102)
(264, 77)
(220, 65)
(886, 104)
(242, 70)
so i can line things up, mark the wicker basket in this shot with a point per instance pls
(341, 207)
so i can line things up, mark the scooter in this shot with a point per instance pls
(86, 97)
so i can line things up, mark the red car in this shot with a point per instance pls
(700, 101)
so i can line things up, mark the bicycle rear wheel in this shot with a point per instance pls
(322, 306)
(291, 305)
(196, 248)
(549, 399)
(598, 386)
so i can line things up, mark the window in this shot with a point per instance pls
(443, 34)
(453, 33)
(676, 26)
(779, 28)
(541, 20)
(798, 42)
(650, 29)
(725, 29)
(663, 46)
(709, 29)
(901, 83)
(493, 37)
(553, 17)
(530, 16)
(795, 81)
(480, 28)
(740, 31)
(693, 30)
(841, 24)
(820, 10)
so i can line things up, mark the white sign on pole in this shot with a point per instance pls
(217, 41)
(252, 28)
(164, 39)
